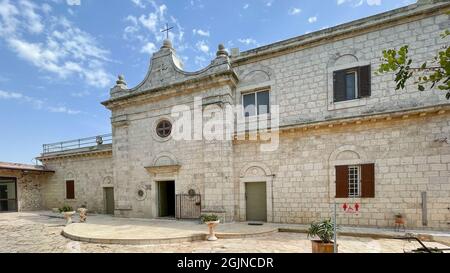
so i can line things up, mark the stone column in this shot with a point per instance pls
(121, 167)
(218, 170)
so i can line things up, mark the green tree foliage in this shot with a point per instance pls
(433, 73)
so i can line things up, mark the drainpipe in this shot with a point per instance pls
(424, 209)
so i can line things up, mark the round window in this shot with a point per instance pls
(141, 193)
(164, 128)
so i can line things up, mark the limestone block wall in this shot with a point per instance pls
(29, 196)
(301, 81)
(205, 166)
(91, 174)
(408, 161)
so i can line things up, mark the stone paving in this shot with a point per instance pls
(34, 233)
(107, 229)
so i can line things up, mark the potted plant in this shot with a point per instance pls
(68, 212)
(399, 219)
(212, 221)
(325, 232)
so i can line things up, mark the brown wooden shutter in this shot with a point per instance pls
(341, 181)
(364, 81)
(368, 180)
(339, 85)
(70, 189)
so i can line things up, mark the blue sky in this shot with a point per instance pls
(58, 58)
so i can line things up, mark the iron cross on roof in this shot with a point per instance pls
(167, 30)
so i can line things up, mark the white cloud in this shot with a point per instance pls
(46, 8)
(45, 59)
(132, 19)
(246, 6)
(312, 19)
(10, 95)
(149, 21)
(373, 2)
(37, 104)
(197, 4)
(62, 49)
(63, 109)
(28, 10)
(73, 2)
(80, 94)
(202, 46)
(200, 61)
(357, 3)
(294, 11)
(97, 77)
(8, 22)
(149, 48)
(248, 41)
(201, 32)
(144, 30)
(138, 3)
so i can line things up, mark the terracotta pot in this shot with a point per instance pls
(400, 220)
(212, 233)
(320, 247)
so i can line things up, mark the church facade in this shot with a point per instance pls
(338, 133)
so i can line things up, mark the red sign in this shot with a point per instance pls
(348, 208)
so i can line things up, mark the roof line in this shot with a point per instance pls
(350, 27)
(23, 167)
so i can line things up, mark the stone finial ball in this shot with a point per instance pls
(221, 51)
(121, 80)
(167, 43)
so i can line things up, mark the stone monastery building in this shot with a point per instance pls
(344, 135)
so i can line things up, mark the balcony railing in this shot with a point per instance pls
(76, 144)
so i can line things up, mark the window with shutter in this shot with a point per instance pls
(355, 181)
(70, 189)
(342, 181)
(352, 83)
(368, 180)
(364, 81)
(339, 85)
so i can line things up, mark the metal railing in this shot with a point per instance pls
(76, 144)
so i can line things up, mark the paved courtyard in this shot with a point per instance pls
(33, 232)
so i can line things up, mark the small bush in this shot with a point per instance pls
(65, 208)
(209, 218)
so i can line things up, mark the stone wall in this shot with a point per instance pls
(300, 80)
(29, 196)
(205, 165)
(91, 174)
(300, 173)
(408, 161)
